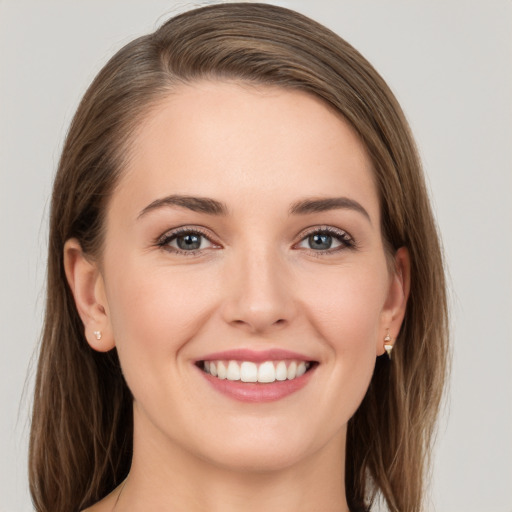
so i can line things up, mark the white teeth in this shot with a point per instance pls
(292, 371)
(281, 371)
(221, 370)
(266, 372)
(248, 371)
(233, 372)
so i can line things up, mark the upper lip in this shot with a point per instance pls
(256, 356)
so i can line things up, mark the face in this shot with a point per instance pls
(243, 242)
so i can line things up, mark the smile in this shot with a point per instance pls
(257, 376)
(265, 372)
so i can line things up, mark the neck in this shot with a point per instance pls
(165, 476)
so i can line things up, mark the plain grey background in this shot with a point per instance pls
(450, 65)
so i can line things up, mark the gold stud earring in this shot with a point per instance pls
(388, 346)
(98, 335)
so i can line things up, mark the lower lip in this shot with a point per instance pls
(257, 391)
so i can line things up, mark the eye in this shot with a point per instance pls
(326, 240)
(185, 240)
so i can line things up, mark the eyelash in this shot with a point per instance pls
(168, 237)
(345, 240)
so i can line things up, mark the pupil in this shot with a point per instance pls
(189, 242)
(320, 241)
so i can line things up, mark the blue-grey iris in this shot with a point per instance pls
(320, 241)
(189, 242)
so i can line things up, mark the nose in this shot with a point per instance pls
(259, 297)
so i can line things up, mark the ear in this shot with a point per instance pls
(394, 309)
(86, 283)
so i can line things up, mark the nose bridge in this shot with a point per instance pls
(259, 296)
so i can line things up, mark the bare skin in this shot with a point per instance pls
(267, 272)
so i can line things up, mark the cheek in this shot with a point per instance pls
(346, 313)
(153, 315)
(346, 307)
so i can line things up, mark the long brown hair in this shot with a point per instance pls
(81, 437)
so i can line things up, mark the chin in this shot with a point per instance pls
(269, 448)
(259, 459)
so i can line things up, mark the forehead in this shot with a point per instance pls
(242, 140)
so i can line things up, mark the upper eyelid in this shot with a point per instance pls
(174, 232)
(324, 228)
(200, 229)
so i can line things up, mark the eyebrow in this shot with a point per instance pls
(214, 207)
(306, 206)
(196, 204)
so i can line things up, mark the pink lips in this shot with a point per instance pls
(256, 392)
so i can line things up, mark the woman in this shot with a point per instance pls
(240, 231)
